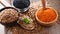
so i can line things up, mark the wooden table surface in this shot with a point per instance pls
(55, 29)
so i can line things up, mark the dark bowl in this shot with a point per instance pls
(11, 23)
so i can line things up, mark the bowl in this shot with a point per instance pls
(46, 23)
(10, 23)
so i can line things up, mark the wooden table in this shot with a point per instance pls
(35, 4)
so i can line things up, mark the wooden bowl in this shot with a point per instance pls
(46, 23)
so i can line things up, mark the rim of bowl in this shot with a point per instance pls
(46, 22)
(8, 8)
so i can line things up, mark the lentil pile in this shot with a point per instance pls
(8, 15)
(47, 15)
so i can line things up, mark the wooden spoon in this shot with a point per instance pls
(2, 4)
(5, 3)
(43, 4)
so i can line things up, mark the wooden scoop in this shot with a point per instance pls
(44, 4)
(5, 3)
(2, 4)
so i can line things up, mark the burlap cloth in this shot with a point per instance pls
(16, 29)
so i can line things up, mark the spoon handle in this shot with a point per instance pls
(43, 4)
(2, 4)
(5, 3)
